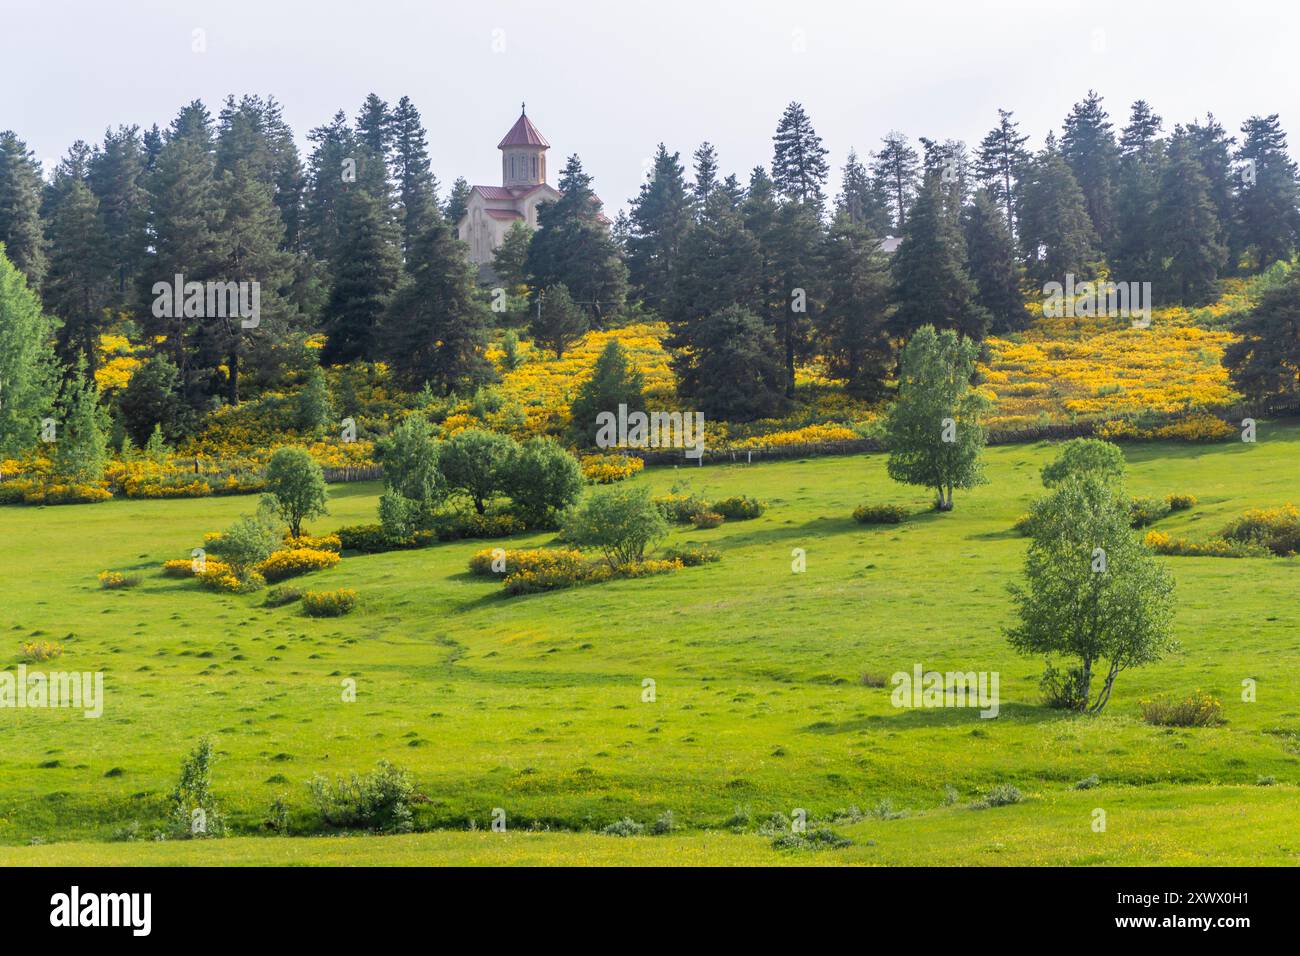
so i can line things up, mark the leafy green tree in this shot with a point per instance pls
(1086, 457)
(1264, 363)
(314, 407)
(81, 448)
(852, 325)
(296, 487)
(732, 369)
(414, 486)
(614, 381)
(246, 544)
(931, 283)
(622, 523)
(543, 480)
(193, 792)
(660, 219)
(934, 428)
(152, 399)
(477, 463)
(28, 376)
(20, 208)
(436, 328)
(1092, 591)
(558, 323)
(799, 167)
(573, 247)
(991, 261)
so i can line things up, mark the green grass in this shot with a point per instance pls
(534, 704)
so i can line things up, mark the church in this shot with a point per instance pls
(491, 210)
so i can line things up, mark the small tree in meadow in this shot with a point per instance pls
(1086, 456)
(477, 463)
(413, 484)
(614, 381)
(314, 406)
(81, 449)
(194, 811)
(296, 487)
(247, 543)
(543, 481)
(933, 428)
(1092, 591)
(558, 323)
(622, 523)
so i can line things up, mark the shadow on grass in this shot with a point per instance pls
(915, 718)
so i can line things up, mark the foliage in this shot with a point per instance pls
(245, 544)
(382, 800)
(614, 382)
(414, 485)
(296, 487)
(543, 481)
(740, 508)
(1277, 529)
(880, 514)
(1086, 456)
(114, 580)
(1197, 710)
(607, 469)
(329, 603)
(621, 523)
(292, 562)
(477, 464)
(194, 811)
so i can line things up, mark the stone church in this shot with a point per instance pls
(492, 210)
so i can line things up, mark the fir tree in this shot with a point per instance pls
(366, 268)
(458, 201)
(852, 325)
(1264, 363)
(1088, 147)
(991, 259)
(896, 169)
(614, 381)
(706, 172)
(116, 177)
(417, 188)
(732, 371)
(999, 162)
(1056, 234)
(860, 198)
(1141, 162)
(79, 283)
(1267, 214)
(659, 221)
(558, 323)
(1186, 233)
(20, 208)
(81, 444)
(799, 167)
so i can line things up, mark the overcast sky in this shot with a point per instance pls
(609, 79)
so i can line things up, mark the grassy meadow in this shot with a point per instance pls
(534, 704)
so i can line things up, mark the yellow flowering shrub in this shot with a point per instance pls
(112, 580)
(40, 650)
(533, 560)
(607, 469)
(329, 603)
(295, 561)
(324, 542)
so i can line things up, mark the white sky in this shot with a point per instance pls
(609, 79)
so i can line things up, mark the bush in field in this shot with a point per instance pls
(1161, 543)
(1277, 529)
(880, 514)
(413, 484)
(543, 481)
(511, 561)
(1145, 511)
(279, 597)
(1198, 710)
(704, 520)
(290, 563)
(381, 800)
(1093, 592)
(680, 508)
(194, 811)
(245, 544)
(739, 508)
(295, 486)
(1063, 690)
(477, 463)
(1086, 456)
(1003, 795)
(822, 838)
(329, 603)
(625, 827)
(1178, 502)
(111, 580)
(622, 523)
(693, 555)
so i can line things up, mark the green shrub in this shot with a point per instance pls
(1180, 502)
(367, 539)
(477, 464)
(1024, 525)
(1003, 795)
(458, 525)
(822, 838)
(279, 597)
(622, 523)
(680, 508)
(1277, 529)
(194, 812)
(245, 544)
(880, 514)
(739, 508)
(1145, 511)
(112, 580)
(664, 823)
(1087, 783)
(706, 520)
(624, 828)
(693, 555)
(543, 481)
(380, 801)
(329, 603)
(1197, 710)
(1063, 690)
(1086, 456)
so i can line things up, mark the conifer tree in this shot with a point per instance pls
(365, 269)
(20, 208)
(659, 220)
(614, 381)
(1056, 234)
(1141, 166)
(115, 175)
(78, 286)
(457, 201)
(558, 322)
(799, 167)
(1186, 234)
(417, 188)
(991, 260)
(81, 443)
(706, 172)
(852, 325)
(1088, 147)
(1264, 363)
(1268, 216)
(896, 169)
(860, 198)
(1000, 161)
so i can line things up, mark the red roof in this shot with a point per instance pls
(524, 133)
(504, 214)
(507, 192)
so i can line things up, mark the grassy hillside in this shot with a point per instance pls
(534, 704)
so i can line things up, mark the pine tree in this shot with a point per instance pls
(852, 325)
(1000, 161)
(896, 169)
(28, 372)
(1141, 163)
(510, 259)
(706, 172)
(1213, 148)
(720, 267)
(81, 446)
(78, 286)
(660, 219)
(991, 260)
(732, 371)
(860, 198)
(931, 283)
(458, 201)
(799, 167)
(366, 267)
(1267, 201)
(792, 248)
(331, 170)
(1056, 234)
(116, 177)
(1088, 147)
(417, 188)
(1186, 234)
(20, 208)
(572, 247)
(1265, 362)
(614, 381)
(558, 322)
(436, 329)
(375, 127)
